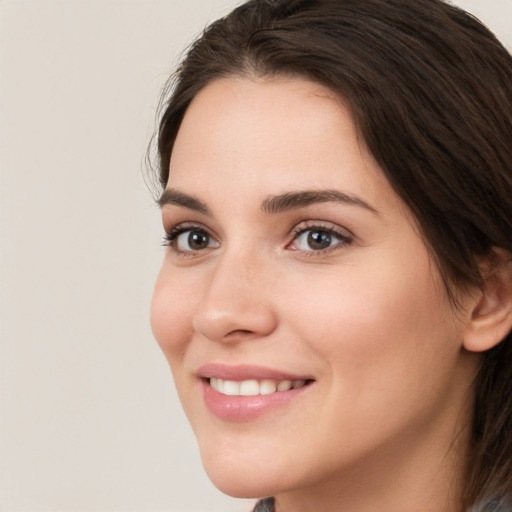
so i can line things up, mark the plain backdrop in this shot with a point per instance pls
(89, 419)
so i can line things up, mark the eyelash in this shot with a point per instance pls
(171, 237)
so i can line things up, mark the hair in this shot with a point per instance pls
(430, 91)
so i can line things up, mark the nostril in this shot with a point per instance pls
(240, 334)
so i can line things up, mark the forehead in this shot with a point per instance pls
(265, 136)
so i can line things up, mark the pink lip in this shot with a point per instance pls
(246, 372)
(245, 408)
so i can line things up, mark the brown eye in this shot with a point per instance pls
(198, 240)
(318, 239)
(193, 240)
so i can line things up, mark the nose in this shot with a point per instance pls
(236, 304)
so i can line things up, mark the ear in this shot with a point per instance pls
(491, 318)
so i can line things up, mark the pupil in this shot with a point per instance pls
(319, 239)
(197, 240)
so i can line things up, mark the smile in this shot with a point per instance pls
(243, 393)
(254, 387)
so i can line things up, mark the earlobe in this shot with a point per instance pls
(491, 318)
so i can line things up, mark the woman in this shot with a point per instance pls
(336, 298)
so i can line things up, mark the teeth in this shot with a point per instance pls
(253, 387)
(267, 387)
(231, 387)
(284, 385)
(249, 388)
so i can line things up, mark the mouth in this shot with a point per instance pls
(244, 393)
(255, 387)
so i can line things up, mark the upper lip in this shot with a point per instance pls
(246, 372)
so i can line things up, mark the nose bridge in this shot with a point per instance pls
(236, 303)
(234, 275)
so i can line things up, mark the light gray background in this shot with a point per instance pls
(89, 419)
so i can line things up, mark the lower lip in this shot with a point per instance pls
(245, 408)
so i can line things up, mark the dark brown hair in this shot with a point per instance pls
(430, 90)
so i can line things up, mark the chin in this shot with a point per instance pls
(246, 475)
(242, 488)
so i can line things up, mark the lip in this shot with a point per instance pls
(246, 372)
(246, 408)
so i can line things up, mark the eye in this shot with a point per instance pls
(317, 239)
(189, 240)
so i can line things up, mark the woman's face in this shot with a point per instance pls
(293, 263)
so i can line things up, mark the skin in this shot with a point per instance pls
(383, 425)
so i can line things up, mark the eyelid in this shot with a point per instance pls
(321, 224)
(175, 229)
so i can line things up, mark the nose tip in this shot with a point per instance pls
(234, 306)
(232, 323)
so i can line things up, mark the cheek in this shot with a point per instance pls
(387, 348)
(171, 315)
(376, 322)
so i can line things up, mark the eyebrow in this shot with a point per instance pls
(273, 204)
(177, 198)
(300, 199)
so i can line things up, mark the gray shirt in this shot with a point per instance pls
(498, 504)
